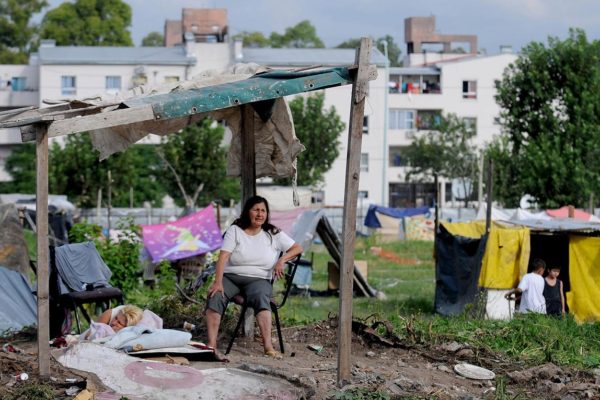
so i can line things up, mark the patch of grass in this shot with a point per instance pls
(410, 289)
(32, 391)
(358, 394)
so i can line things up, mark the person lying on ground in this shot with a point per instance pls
(113, 320)
(247, 262)
(531, 289)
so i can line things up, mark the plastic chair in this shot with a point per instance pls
(275, 306)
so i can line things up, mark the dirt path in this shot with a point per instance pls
(398, 372)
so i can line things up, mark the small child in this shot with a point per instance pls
(553, 292)
(531, 289)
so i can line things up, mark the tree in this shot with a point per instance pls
(197, 156)
(301, 35)
(74, 170)
(88, 23)
(16, 34)
(447, 150)
(253, 39)
(20, 165)
(318, 130)
(153, 39)
(394, 51)
(550, 117)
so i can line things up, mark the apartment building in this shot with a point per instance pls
(431, 83)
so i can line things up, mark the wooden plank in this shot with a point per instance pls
(357, 108)
(92, 122)
(248, 166)
(334, 247)
(42, 252)
(248, 180)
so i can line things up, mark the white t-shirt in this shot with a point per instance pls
(254, 255)
(532, 298)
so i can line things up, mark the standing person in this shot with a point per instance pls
(247, 262)
(553, 292)
(531, 289)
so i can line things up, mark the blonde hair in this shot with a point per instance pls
(133, 314)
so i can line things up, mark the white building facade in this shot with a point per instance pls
(415, 94)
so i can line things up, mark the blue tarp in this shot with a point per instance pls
(372, 221)
(19, 308)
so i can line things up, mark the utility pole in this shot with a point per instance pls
(384, 183)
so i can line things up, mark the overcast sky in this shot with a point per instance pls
(495, 22)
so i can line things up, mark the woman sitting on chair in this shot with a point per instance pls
(247, 262)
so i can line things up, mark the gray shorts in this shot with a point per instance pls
(256, 290)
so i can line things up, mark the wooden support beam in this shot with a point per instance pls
(92, 122)
(43, 307)
(357, 108)
(248, 178)
(248, 167)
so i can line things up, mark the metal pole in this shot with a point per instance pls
(108, 209)
(488, 216)
(384, 182)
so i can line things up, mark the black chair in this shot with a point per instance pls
(75, 300)
(275, 305)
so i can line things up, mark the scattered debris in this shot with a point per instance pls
(391, 256)
(473, 371)
(316, 348)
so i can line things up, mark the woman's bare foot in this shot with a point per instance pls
(219, 356)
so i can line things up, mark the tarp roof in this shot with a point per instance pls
(558, 225)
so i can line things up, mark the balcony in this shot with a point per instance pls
(415, 81)
(11, 98)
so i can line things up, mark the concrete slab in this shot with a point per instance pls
(128, 376)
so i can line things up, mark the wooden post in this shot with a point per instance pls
(109, 205)
(357, 108)
(43, 274)
(248, 167)
(248, 172)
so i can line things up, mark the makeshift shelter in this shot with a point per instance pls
(511, 246)
(116, 124)
(13, 248)
(18, 302)
(393, 221)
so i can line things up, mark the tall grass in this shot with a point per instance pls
(409, 290)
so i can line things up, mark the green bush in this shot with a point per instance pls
(122, 256)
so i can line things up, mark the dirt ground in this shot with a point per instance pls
(400, 372)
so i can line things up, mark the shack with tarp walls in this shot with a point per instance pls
(509, 249)
(115, 123)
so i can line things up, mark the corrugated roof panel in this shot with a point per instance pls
(306, 57)
(104, 55)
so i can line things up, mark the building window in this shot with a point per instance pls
(140, 80)
(113, 84)
(364, 162)
(469, 89)
(470, 124)
(396, 156)
(171, 79)
(17, 83)
(68, 85)
(366, 125)
(428, 119)
(401, 119)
